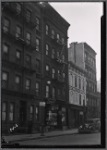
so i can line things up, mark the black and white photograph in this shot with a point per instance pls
(52, 72)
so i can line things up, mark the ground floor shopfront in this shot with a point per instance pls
(24, 114)
(76, 115)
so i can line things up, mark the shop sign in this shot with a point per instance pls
(42, 104)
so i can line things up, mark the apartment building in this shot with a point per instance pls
(34, 71)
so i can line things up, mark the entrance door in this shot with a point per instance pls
(22, 113)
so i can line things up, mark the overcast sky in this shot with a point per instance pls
(84, 19)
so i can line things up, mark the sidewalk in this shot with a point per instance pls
(25, 137)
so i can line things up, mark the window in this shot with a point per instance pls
(63, 41)
(18, 82)
(57, 54)
(5, 51)
(75, 81)
(59, 92)
(59, 73)
(57, 36)
(4, 79)
(53, 73)
(28, 38)
(63, 75)
(37, 23)
(47, 91)
(4, 111)
(18, 8)
(38, 65)
(5, 48)
(28, 60)
(37, 89)
(28, 84)
(47, 49)
(28, 15)
(18, 54)
(53, 92)
(47, 29)
(37, 113)
(83, 102)
(79, 83)
(80, 99)
(52, 34)
(11, 112)
(53, 53)
(18, 32)
(6, 25)
(63, 92)
(31, 112)
(17, 79)
(37, 45)
(63, 58)
(47, 69)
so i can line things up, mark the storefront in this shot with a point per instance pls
(56, 116)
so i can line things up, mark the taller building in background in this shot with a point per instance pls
(77, 85)
(34, 70)
(91, 90)
(86, 59)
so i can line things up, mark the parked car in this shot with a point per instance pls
(91, 125)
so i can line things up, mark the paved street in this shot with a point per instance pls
(74, 139)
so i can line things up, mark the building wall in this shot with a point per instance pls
(77, 85)
(23, 99)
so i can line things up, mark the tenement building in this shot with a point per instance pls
(34, 70)
(77, 85)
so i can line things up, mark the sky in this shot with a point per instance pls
(85, 24)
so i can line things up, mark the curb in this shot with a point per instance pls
(42, 137)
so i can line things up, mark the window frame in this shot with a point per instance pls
(18, 9)
(11, 112)
(28, 87)
(4, 112)
(6, 25)
(5, 82)
(37, 45)
(18, 34)
(31, 112)
(47, 29)
(47, 91)
(47, 49)
(28, 15)
(28, 38)
(37, 88)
